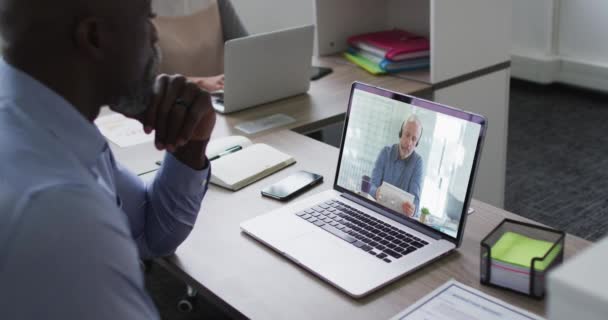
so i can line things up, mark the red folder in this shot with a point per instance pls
(392, 44)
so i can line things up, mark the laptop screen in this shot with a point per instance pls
(410, 156)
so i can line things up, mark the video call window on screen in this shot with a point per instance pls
(411, 160)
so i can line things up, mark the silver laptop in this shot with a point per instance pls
(265, 67)
(420, 154)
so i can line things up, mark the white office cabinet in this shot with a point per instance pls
(470, 59)
(578, 288)
(336, 20)
(490, 99)
(465, 35)
(468, 35)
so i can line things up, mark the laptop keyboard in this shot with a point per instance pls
(363, 231)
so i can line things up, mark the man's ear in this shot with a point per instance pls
(90, 38)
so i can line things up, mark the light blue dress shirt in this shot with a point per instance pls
(73, 222)
(405, 174)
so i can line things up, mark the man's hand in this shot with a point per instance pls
(408, 208)
(183, 118)
(209, 83)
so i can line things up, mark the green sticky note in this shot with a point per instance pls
(519, 250)
(364, 63)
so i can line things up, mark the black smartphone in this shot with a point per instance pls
(319, 72)
(292, 185)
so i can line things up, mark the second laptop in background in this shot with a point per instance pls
(266, 67)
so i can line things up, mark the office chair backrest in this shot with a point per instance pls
(192, 45)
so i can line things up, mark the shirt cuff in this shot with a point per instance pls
(181, 178)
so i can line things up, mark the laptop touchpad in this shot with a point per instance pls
(340, 263)
(265, 228)
(320, 249)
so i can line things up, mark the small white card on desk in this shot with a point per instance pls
(122, 131)
(456, 301)
(265, 123)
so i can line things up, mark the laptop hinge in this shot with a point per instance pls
(435, 235)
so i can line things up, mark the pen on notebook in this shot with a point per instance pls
(221, 154)
(227, 151)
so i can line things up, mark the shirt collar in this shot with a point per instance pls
(52, 112)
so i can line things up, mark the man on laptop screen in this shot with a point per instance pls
(436, 173)
(400, 165)
(397, 203)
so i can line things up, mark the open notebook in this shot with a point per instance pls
(235, 170)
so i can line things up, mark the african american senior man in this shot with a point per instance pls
(73, 222)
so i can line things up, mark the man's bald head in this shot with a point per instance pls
(41, 21)
(92, 52)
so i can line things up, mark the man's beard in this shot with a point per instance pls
(137, 101)
(403, 152)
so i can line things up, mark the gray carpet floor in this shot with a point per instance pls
(557, 173)
(557, 157)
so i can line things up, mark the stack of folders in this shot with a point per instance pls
(389, 51)
(511, 261)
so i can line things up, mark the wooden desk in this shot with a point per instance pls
(250, 280)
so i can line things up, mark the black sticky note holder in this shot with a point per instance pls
(536, 285)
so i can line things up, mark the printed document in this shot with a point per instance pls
(456, 301)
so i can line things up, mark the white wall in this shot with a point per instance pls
(268, 15)
(583, 30)
(257, 15)
(532, 26)
(561, 41)
(171, 7)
